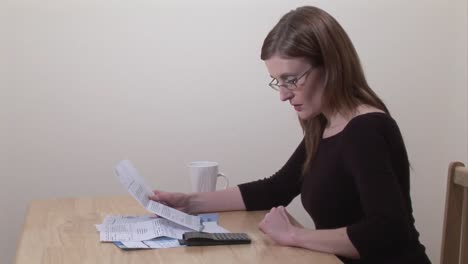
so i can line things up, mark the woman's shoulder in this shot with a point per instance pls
(371, 124)
(370, 119)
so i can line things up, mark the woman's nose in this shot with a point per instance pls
(285, 94)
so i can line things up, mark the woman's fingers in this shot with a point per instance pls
(155, 194)
(160, 196)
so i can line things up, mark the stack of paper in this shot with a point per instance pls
(129, 232)
(149, 231)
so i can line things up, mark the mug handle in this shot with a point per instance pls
(220, 174)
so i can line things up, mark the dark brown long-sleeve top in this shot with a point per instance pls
(359, 179)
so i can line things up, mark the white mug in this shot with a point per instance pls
(204, 174)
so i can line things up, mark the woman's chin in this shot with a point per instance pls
(306, 115)
(303, 115)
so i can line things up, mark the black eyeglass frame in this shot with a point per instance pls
(288, 83)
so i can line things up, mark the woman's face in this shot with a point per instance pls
(298, 83)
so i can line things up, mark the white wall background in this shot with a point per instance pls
(87, 83)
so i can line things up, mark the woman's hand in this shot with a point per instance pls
(179, 201)
(278, 226)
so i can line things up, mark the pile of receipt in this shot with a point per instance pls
(162, 229)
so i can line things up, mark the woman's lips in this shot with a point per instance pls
(298, 108)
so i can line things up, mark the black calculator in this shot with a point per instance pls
(213, 239)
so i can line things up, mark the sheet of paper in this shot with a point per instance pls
(176, 216)
(213, 227)
(209, 217)
(163, 242)
(135, 185)
(160, 242)
(128, 232)
(133, 182)
(124, 219)
(142, 230)
(133, 244)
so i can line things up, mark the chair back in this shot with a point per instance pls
(455, 235)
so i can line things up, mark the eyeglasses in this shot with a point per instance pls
(289, 84)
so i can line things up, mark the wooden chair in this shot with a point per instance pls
(455, 236)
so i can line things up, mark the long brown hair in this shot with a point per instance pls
(311, 33)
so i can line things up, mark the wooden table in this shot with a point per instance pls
(62, 231)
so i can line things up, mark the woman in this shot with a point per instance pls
(351, 169)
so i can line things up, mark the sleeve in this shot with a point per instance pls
(278, 189)
(385, 226)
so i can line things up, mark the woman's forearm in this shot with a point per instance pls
(334, 241)
(224, 200)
